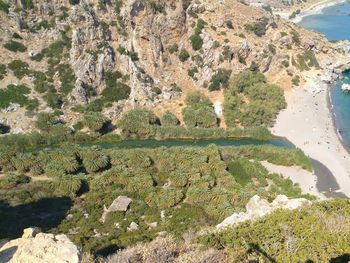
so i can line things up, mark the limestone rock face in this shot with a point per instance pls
(90, 55)
(39, 248)
(257, 208)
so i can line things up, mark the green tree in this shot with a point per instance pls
(95, 121)
(169, 119)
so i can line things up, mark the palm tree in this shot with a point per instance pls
(68, 184)
(94, 160)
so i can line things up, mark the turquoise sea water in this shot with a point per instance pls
(334, 23)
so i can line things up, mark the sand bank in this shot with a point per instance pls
(305, 179)
(307, 122)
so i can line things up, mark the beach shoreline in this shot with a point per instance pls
(313, 9)
(308, 122)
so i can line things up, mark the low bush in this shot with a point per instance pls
(312, 234)
(220, 79)
(15, 46)
(184, 55)
(19, 68)
(259, 28)
(3, 71)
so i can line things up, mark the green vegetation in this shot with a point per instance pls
(196, 40)
(169, 119)
(184, 55)
(17, 94)
(306, 61)
(74, 2)
(95, 121)
(191, 185)
(115, 90)
(10, 181)
(4, 7)
(173, 48)
(320, 233)
(3, 71)
(15, 46)
(19, 68)
(294, 14)
(259, 28)
(251, 101)
(199, 111)
(220, 79)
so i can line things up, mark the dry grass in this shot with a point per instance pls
(165, 250)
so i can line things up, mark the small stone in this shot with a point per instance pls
(133, 226)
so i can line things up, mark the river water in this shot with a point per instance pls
(334, 23)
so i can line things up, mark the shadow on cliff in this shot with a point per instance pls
(46, 213)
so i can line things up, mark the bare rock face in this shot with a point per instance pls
(257, 208)
(39, 248)
(121, 203)
(90, 55)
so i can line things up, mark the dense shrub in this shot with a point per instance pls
(204, 117)
(319, 233)
(115, 90)
(259, 28)
(15, 46)
(3, 71)
(184, 55)
(67, 78)
(196, 42)
(134, 121)
(169, 119)
(95, 121)
(11, 181)
(195, 39)
(19, 68)
(197, 100)
(250, 101)
(14, 94)
(220, 79)
(46, 121)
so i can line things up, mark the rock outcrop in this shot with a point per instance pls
(121, 203)
(257, 208)
(91, 55)
(39, 248)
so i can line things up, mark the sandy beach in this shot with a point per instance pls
(307, 122)
(312, 9)
(306, 180)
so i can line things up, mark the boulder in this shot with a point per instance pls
(345, 87)
(257, 208)
(39, 248)
(121, 203)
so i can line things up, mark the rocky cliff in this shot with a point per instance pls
(39, 248)
(117, 55)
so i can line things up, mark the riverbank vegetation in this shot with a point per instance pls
(189, 185)
(252, 102)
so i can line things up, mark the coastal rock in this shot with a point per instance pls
(345, 87)
(39, 248)
(257, 208)
(121, 203)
